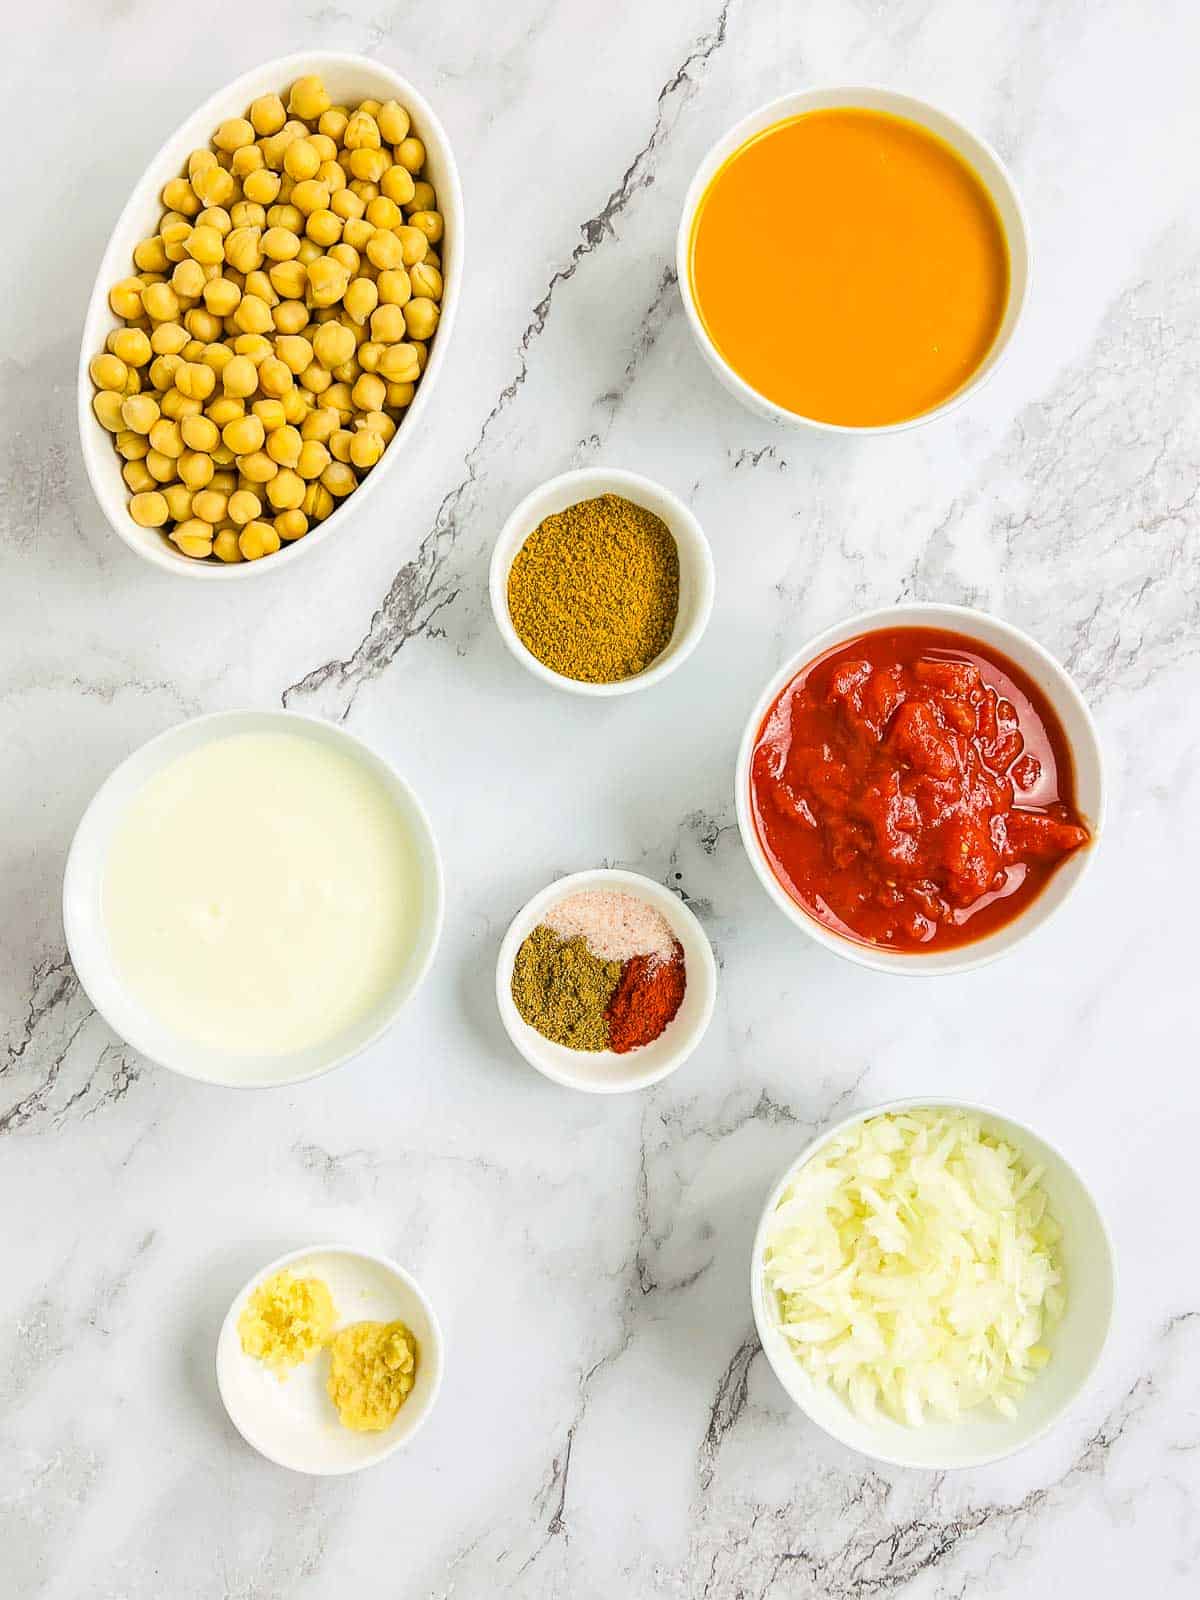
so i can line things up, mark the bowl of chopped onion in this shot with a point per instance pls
(932, 1283)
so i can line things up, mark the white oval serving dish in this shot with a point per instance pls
(346, 77)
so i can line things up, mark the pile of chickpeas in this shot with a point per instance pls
(277, 325)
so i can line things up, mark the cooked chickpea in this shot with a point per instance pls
(267, 115)
(295, 351)
(339, 479)
(395, 286)
(274, 378)
(243, 507)
(388, 324)
(179, 501)
(393, 121)
(379, 422)
(318, 502)
(397, 186)
(131, 446)
(308, 98)
(178, 195)
(333, 343)
(284, 446)
(362, 132)
(200, 433)
(320, 424)
(138, 412)
(414, 245)
(291, 316)
(368, 166)
(270, 413)
(327, 281)
(239, 377)
(109, 372)
(426, 281)
(196, 380)
(290, 525)
(288, 279)
(194, 538)
(151, 255)
(196, 469)
(215, 187)
(168, 339)
(398, 364)
(160, 467)
(257, 539)
(421, 318)
(233, 134)
(226, 407)
(221, 297)
(301, 159)
(201, 324)
(323, 228)
(149, 509)
(257, 467)
(366, 447)
(333, 122)
(427, 222)
(361, 298)
(312, 460)
(243, 435)
(209, 505)
(138, 477)
(345, 204)
(339, 444)
(160, 301)
(285, 491)
(130, 345)
(225, 545)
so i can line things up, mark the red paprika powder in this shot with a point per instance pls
(648, 994)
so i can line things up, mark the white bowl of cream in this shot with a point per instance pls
(252, 897)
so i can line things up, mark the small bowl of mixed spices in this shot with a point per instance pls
(605, 981)
(601, 582)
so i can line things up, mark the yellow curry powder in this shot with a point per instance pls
(286, 1320)
(594, 590)
(372, 1368)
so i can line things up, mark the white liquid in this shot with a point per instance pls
(261, 894)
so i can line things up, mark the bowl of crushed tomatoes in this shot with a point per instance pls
(920, 787)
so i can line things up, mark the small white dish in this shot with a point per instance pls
(347, 77)
(978, 154)
(697, 582)
(293, 1422)
(607, 1071)
(87, 937)
(1076, 1343)
(1084, 740)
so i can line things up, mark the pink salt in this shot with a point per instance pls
(616, 926)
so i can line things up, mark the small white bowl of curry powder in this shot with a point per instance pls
(601, 582)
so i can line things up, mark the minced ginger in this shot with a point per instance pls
(373, 1366)
(287, 1320)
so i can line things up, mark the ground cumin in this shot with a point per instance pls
(594, 590)
(562, 989)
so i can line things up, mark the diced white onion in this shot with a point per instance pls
(915, 1267)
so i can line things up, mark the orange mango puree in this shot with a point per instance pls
(850, 267)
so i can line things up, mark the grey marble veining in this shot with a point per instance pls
(608, 1424)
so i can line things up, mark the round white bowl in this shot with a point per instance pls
(294, 1422)
(607, 1071)
(869, 97)
(1076, 1343)
(1082, 737)
(87, 937)
(696, 579)
(347, 77)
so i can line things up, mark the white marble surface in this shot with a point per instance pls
(608, 1425)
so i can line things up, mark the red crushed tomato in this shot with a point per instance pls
(912, 790)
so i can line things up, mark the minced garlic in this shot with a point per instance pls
(286, 1320)
(373, 1366)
